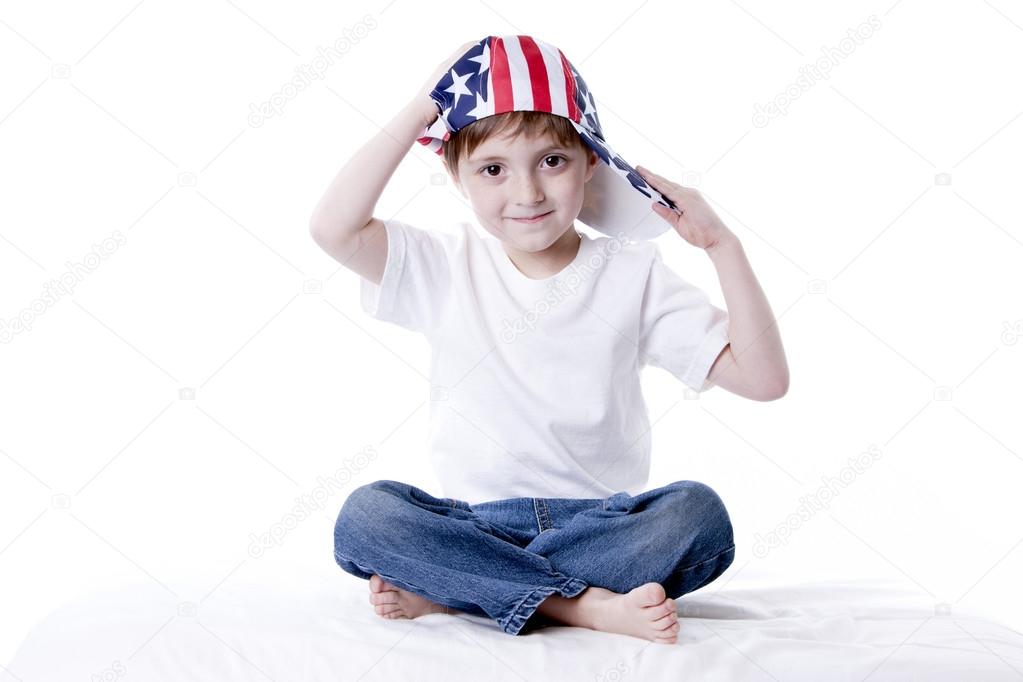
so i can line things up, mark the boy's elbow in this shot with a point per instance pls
(774, 390)
(321, 234)
(315, 229)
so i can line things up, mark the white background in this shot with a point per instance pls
(880, 213)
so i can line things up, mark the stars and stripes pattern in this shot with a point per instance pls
(519, 73)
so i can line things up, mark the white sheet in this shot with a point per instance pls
(317, 624)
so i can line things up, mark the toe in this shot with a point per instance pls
(659, 611)
(388, 597)
(665, 621)
(378, 584)
(649, 594)
(669, 633)
(671, 630)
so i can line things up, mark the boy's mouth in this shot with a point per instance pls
(533, 219)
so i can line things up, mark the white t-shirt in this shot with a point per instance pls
(536, 383)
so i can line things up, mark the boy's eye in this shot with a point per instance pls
(486, 170)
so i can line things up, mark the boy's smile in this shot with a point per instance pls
(534, 218)
(527, 192)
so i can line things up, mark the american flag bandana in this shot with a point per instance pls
(520, 73)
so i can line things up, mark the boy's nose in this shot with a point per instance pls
(528, 191)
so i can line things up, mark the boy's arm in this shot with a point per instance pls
(342, 223)
(758, 369)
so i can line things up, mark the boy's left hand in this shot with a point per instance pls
(698, 224)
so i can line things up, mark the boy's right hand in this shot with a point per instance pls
(423, 100)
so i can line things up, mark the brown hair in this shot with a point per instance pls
(531, 123)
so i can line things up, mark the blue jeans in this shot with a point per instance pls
(500, 559)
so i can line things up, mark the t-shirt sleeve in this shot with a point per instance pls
(415, 282)
(680, 329)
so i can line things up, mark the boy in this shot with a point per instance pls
(538, 426)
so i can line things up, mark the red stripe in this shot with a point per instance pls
(537, 74)
(573, 107)
(500, 77)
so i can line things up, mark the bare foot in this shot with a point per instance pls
(392, 602)
(643, 612)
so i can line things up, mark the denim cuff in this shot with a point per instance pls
(514, 622)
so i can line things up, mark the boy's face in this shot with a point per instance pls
(508, 178)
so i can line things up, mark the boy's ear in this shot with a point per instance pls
(591, 163)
